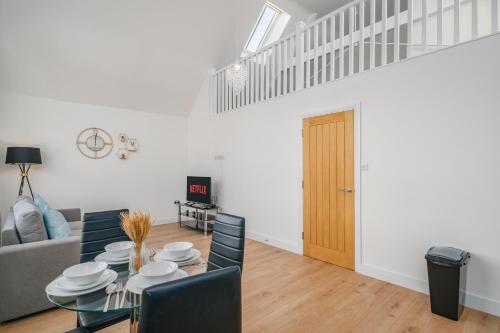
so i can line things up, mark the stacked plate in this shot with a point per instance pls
(116, 253)
(182, 253)
(154, 273)
(81, 279)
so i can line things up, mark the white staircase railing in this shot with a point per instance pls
(360, 36)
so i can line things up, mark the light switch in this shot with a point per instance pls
(364, 166)
(219, 157)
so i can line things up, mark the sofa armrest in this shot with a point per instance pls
(26, 271)
(9, 232)
(71, 214)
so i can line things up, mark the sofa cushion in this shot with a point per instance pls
(29, 221)
(40, 202)
(56, 224)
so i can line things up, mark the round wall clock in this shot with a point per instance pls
(94, 143)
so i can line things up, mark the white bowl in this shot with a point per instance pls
(178, 249)
(158, 271)
(85, 273)
(119, 249)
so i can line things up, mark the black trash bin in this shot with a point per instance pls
(447, 270)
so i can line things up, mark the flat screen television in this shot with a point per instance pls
(198, 189)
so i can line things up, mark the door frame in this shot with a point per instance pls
(356, 107)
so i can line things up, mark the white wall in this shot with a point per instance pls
(150, 180)
(429, 133)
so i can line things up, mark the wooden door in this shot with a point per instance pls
(329, 188)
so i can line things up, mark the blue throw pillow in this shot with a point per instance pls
(55, 223)
(40, 202)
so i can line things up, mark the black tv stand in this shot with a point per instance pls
(198, 216)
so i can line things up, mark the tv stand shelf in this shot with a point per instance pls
(196, 216)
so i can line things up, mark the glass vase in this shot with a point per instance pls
(139, 256)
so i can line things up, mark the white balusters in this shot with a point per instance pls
(439, 18)
(255, 79)
(232, 96)
(361, 41)
(247, 85)
(341, 45)
(272, 71)
(494, 16)
(299, 58)
(292, 74)
(351, 40)
(323, 55)
(308, 57)
(372, 34)
(409, 37)
(309, 36)
(226, 92)
(424, 26)
(332, 49)
(474, 19)
(268, 74)
(456, 21)
(284, 52)
(396, 30)
(278, 69)
(316, 54)
(384, 32)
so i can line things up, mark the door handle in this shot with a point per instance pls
(346, 190)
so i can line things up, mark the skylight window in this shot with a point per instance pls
(270, 25)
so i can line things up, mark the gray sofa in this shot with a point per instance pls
(26, 269)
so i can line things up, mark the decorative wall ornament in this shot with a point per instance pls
(133, 144)
(128, 145)
(94, 143)
(122, 153)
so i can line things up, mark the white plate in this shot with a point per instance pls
(53, 290)
(67, 285)
(105, 257)
(165, 255)
(137, 283)
(119, 249)
(115, 257)
(85, 273)
(192, 259)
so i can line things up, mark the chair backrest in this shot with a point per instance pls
(228, 242)
(208, 303)
(100, 229)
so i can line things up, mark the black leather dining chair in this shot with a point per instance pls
(100, 229)
(228, 242)
(208, 303)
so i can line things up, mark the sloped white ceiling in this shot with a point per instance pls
(147, 55)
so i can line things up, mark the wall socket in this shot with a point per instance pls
(219, 157)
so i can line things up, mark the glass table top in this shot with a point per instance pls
(94, 302)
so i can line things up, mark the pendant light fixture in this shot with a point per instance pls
(237, 72)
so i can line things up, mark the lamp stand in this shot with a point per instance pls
(24, 175)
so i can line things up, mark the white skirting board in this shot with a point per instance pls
(471, 300)
(273, 242)
(165, 220)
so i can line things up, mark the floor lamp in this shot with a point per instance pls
(24, 157)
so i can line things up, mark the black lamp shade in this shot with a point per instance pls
(18, 155)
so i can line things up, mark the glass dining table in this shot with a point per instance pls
(94, 302)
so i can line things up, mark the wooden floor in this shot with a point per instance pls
(285, 292)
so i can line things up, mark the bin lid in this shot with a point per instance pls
(448, 256)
